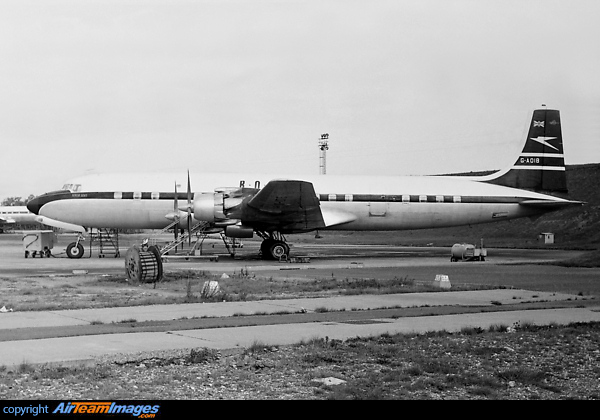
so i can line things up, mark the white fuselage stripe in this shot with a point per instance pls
(548, 155)
(540, 168)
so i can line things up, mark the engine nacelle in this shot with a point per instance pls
(208, 207)
(237, 231)
(220, 207)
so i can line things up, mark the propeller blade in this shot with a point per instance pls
(189, 208)
(189, 190)
(189, 226)
(176, 211)
(175, 201)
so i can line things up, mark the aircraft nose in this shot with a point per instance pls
(34, 205)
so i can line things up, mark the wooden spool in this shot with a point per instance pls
(143, 266)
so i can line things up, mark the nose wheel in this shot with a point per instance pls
(75, 250)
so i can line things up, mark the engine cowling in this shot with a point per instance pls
(208, 207)
(220, 207)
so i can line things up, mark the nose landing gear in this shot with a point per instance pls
(75, 249)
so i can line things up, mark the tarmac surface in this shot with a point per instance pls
(87, 335)
(101, 341)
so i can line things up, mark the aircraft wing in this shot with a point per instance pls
(289, 206)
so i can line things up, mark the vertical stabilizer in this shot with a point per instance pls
(541, 165)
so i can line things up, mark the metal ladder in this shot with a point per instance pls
(108, 240)
(198, 227)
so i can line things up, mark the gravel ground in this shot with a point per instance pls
(518, 362)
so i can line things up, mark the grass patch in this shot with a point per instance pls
(185, 286)
(257, 346)
(471, 330)
(25, 367)
(498, 328)
(127, 321)
(202, 355)
(587, 260)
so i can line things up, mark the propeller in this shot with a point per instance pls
(176, 214)
(189, 209)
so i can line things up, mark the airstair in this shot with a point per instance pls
(198, 230)
(108, 242)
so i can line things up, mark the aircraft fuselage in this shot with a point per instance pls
(376, 203)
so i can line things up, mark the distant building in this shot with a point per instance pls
(547, 237)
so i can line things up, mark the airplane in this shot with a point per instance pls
(241, 205)
(11, 215)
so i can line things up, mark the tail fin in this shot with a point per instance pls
(541, 165)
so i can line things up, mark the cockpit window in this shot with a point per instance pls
(72, 187)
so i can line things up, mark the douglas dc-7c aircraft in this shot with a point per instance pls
(241, 205)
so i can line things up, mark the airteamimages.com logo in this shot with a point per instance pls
(83, 408)
(142, 411)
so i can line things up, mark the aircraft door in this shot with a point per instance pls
(378, 207)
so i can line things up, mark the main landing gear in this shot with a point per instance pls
(273, 246)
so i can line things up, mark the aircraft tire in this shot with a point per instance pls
(74, 250)
(265, 248)
(278, 249)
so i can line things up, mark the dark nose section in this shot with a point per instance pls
(34, 205)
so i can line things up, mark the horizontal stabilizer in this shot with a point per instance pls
(550, 203)
(61, 225)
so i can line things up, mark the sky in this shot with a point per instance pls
(402, 87)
